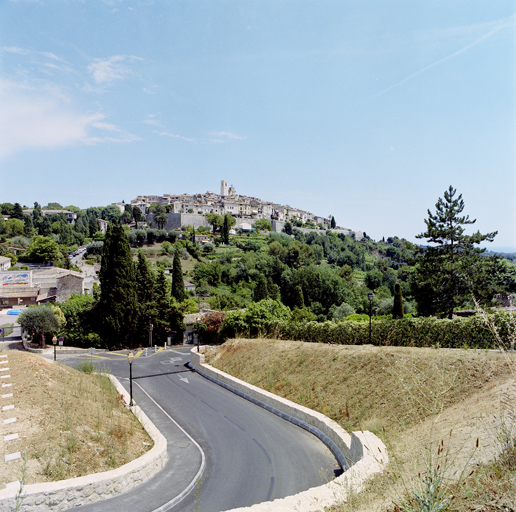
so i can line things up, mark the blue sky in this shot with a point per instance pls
(366, 110)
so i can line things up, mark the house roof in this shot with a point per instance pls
(20, 294)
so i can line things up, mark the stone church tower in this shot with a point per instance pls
(223, 188)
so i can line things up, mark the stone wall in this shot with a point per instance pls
(178, 220)
(68, 285)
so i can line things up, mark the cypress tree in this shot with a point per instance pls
(117, 306)
(298, 300)
(225, 230)
(260, 290)
(397, 308)
(144, 295)
(161, 306)
(178, 285)
(333, 224)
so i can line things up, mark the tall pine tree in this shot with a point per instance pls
(447, 270)
(117, 306)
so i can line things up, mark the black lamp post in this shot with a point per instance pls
(54, 342)
(130, 359)
(370, 297)
(150, 333)
(198, 340)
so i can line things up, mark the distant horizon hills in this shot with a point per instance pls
(502, 250)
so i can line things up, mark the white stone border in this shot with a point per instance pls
(67, 351)
(361, 454)
(66, 494)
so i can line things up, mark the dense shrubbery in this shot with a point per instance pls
(470, 332)
(82, 339)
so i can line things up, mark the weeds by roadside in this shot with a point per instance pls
(494, 485)
(18, 501)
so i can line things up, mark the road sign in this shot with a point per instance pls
(60, 338)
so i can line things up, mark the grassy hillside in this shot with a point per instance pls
(414, 399)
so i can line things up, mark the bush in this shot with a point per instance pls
(256, 320)
(357, 318)
(342, 311)
(385, 307)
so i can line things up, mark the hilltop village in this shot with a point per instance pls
(183, 209)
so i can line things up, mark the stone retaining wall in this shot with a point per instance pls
(361, 454)
(66, 494)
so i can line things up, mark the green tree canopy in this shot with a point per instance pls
(17, 212)
(263, 224)
(14, 227)
(43, 249)
(39, 321)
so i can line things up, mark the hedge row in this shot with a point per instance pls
(471, 332)
(81, 339)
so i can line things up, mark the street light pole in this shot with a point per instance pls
(198, 340)
(370, 297)
(130, 359)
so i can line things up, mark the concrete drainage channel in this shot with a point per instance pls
(361, 454)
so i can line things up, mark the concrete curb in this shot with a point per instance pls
(361, 454)
(66, 494)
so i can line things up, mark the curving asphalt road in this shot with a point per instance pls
(224, 452)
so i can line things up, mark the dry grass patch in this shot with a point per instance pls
(70, 423)
(428, 405)
(381, 389)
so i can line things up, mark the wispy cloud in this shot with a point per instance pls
(106, 71)
(14, 49)
(213, 138)
(152, 120)
(492, 30)
(44, 119)
(226, 136)
(176, 136)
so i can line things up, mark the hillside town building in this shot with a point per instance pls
(38, 286)
(188, 209)
(70, 217)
